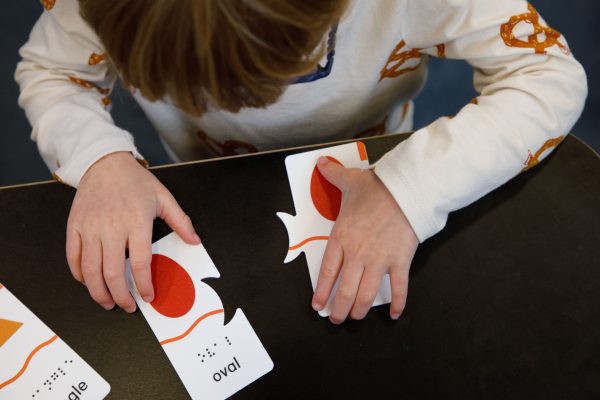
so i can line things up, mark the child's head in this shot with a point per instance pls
(238, 53)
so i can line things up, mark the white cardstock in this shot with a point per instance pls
(213, 360)
(309, 229)
(35, 364)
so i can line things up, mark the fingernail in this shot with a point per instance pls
(148, 298)
(130, 309)
(322, 160)
(316, 306)
(395, 316)
(196, 238)
(107, 306)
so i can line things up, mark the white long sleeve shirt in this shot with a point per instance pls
(531, 92)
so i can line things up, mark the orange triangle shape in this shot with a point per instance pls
(7, 329)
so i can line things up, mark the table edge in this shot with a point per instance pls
(171, 165)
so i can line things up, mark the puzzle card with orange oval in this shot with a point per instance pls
(36, 364)
(213, 360)
(318, 204)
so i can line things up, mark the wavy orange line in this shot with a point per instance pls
(29, 357)
(187, 332)
(307, 240)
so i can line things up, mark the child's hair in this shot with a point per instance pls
(237, 53)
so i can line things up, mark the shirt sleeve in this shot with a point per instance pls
(531, 92)
(65, 82)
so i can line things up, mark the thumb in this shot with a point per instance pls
(178, 220)
(334, 172)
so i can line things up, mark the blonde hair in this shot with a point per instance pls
(237, 53)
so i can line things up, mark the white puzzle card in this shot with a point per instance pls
(36, 364)
(213, 360)
(317, 204)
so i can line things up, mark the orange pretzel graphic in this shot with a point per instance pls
(230, 147)
(48, 4)
(394, 64)
(534, 159)
(376, 130)
(96, 59)
(533, 42)
(91, 85)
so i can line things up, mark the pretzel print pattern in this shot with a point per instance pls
(230, 147)
(376, 130)
(96, 59)
(48, 4)
(534, 159)
(441, 50)
(533, 18)
(395, 65)
(91, 85)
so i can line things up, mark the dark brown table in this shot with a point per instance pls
(504, 303)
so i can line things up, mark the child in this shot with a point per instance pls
(219, 77)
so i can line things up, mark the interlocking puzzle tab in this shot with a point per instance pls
(317, 204)
(213, 360)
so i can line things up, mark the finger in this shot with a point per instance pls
(350, 276)
(179, 221)
(369, 286)
(140, 259)
(73, 249)
(91, 269)
(113, 258)
(399, 285)
(333, 172)
(330, 267)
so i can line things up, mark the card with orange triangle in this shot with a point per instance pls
(36, 363)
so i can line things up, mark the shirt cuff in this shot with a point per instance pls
(72, 172)
(403, 184)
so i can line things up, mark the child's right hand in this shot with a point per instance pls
(114, 207)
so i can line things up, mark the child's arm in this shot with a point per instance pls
(65, 82)
(532, 91)
(530, 97)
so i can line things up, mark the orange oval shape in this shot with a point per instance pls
(325, 196)
(174, 291)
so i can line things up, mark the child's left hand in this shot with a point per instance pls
(370, 238)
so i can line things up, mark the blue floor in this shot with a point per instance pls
(448, 89)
